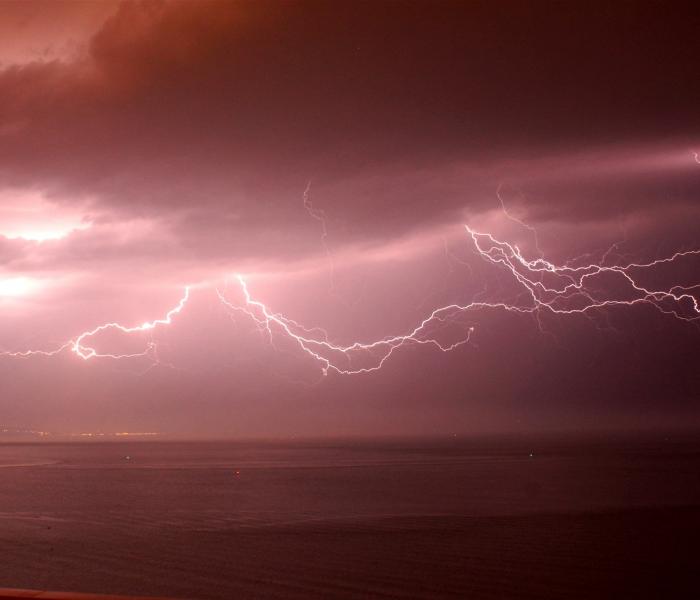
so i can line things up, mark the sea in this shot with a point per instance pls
(610, 516)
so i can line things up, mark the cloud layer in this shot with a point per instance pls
(147, 145)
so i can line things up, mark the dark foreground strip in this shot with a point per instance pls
(11, 594)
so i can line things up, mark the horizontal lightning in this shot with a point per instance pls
(79, 346)
(570, 285)
(548, 287)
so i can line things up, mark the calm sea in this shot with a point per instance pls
(490, 518)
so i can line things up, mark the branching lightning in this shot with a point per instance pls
(79, 345)
(559, 290)
(545, 288)
(320, 215)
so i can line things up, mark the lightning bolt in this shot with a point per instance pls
(516, 220)
(79, 345)
(546, 288)
(549, 288)
(570, 282)
(320, 216)
(321, 350)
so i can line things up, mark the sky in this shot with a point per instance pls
(276, 219)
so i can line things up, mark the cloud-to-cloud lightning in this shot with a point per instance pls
(79, 345)
(547, 288)
(560, 290)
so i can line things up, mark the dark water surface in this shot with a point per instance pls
(410, 519)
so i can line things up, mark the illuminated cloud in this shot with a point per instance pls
(145, 146)
(16, 286)
(29, 215)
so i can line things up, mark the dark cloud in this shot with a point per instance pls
(186, 132)
(238, 104)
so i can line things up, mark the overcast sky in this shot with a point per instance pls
(332, 153)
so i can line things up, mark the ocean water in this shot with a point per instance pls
(488, 518)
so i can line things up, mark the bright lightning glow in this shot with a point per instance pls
(28, 215)
(16, 286)
(39, 233)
